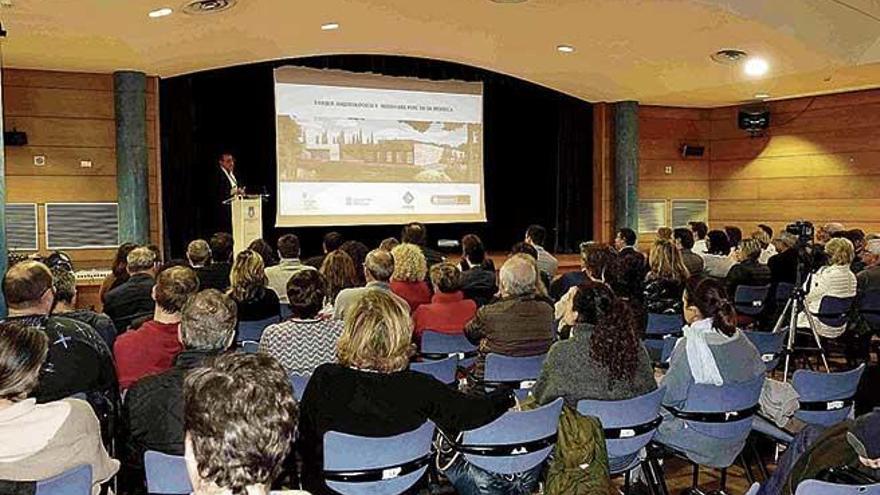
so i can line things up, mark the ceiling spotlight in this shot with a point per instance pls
(330, 26)
(155, 14)
(728, 56)
(565, 48)
(756, 66)
(762, 96)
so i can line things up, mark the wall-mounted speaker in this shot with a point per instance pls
(753, 120)
(15, 138)
(691, 150)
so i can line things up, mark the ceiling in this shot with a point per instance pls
(653, 51)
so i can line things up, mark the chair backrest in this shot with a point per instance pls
(783, 292)
(356, 465)
(443, 370)
(826, 398)
(166, 474)
(816, 487)
(833, 311)
(629, 425)
(436, 345)
(753, 490)
(250, 346)
(869, 307)
(76, 481)
(727, 410)
(299, 384)
(515, 442)
(769, 344)
(751, 299)
(253, 330)
(659, 324)
(518, 373)
(285, 311)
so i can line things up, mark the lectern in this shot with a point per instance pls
(247, 220)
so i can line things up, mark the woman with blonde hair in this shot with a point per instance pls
(410, 272)
(664, 283)
(833, 279)
(370, 391)
(248, 287)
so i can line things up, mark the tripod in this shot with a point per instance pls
(795, 305)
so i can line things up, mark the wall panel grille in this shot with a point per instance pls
(21, 226)
(81, 225)
(689, 210)
(652, 214)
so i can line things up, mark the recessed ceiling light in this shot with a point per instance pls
(565, 48)
(330, 26)
(160, 12)
(762, 96)
(728, 56)
(756, 66)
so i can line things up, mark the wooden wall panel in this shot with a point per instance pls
(69, 117)
(603, 178)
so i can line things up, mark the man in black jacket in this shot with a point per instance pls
(152, 416)
(65, 305)
(214, 274)
(134, 298)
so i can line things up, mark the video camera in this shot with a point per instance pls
(803, 230)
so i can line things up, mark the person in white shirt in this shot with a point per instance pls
(535, 236)
(278, 275)
(700, 230)
(763, 237)
(834, 279)
(717, 261)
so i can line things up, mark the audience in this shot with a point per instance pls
(664, 233)
(833, 279)
(151, 348)
(265, 251)
(448, 311)
(278, 275)
(519, 324)
(665, 281)
(408, 279)
(478, 280)
(332, 242)
(783, 266)
(712, 352)
(869, 279)
(152, 414)
(535, 237)
(372, 393)
(45, 439)
(768, 250)
(417, 233)
(240, 418)
(389, 244)
(717, 260)
(700, 230)
(304, 341)
(595, 261)
(857, 238)
(734, 236)
(629, 268)
(248, 288)
(748, 270)
(358, 252)
(603, 359)
(338, 269)
(133, 299)
(825, 232)
(684, 241)
(78, 361)
(64, 283)
(198, 256)
(118, 271)
(378, 267)
(214, 273)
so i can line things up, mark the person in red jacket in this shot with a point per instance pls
(408, 279)
(151, 348)
(448, 311)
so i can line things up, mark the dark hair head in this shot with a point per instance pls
(537, 234)
(174, 287)
(700, 229)
(64, 283)
(25, 283)
(358, 252)
(592, 301)
(613, 342)
(718, 243)
(306, 291)
(263, 248)
(414, 233)
(240, 415)
(685, 237)
(207, 321)
(472, 248)
(734, 235)
(23, 350)
(332, 241)
(338, 269)
(766, 228)
(596, 258)
(524, 248)
(710, 297)
(389, 244)
(120, 262)
(288, 246)
(221, 247)
(628, 235)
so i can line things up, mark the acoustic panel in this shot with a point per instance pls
(21, 226)
(652, 214)
(689, 210)
(82, 225)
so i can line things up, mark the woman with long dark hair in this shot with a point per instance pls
(717, 260)
(603, 359)
(119, 270)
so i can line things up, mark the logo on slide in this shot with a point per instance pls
(408, 198)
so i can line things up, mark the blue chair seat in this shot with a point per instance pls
(436, 345)
(869, 307)
(253, 330)
(166, 474)
(769, 345)
(833, 311)
(76, 481)
(443, 370)
(518, 373)
(299, 384)
(751, 300)
(815, 487)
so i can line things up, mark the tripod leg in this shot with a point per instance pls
(791, 306)
(818, 340)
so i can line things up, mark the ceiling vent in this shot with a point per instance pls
(729, 56)
(199, 7)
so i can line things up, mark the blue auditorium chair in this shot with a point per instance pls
(518, 373)
(750, 300)
(253, 330)
(299, 384)
(166, 474)
(771, 346)
(660, 336)
(816, 487)
(76, 481)
(443, 369)
(436, 345)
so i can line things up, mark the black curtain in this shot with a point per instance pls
(537, 152)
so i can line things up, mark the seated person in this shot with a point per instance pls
(595, 259)
(417, 233)
(151, 348)
(79, 359)
(868, 280)
(133, 299)
(783, 265)
(629, 267)
(603, 359)
(478, 280)
(748, 270)
(717, 260)
(332, 242)
(338, 269)
(304, 341)
(64, 283)
(372, 393)
(542, 278)
(42, 440)
(665, 281)
(278, 275)
(712, 352)
(833, 279)
(547, 263)
(254, 299)
(519, 324)
(240, 418)
(684, 241)
(215, 266)
(152, 414)
(378, 267)
(449, 311)
(408, 279)
(764, 236)
(118, 270)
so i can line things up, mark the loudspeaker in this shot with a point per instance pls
(692, 150)
(753, 120)
(15, 138)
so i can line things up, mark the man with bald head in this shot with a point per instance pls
(79, 360)
(520, 323)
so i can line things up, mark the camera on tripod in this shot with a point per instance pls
(803, 230)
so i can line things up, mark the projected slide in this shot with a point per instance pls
(355, 149)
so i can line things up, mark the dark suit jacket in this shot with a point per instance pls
(217, 217)
(214, 276)
(130, 301)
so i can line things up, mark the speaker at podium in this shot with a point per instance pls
(247, 219)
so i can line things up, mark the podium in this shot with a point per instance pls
(247, 220)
